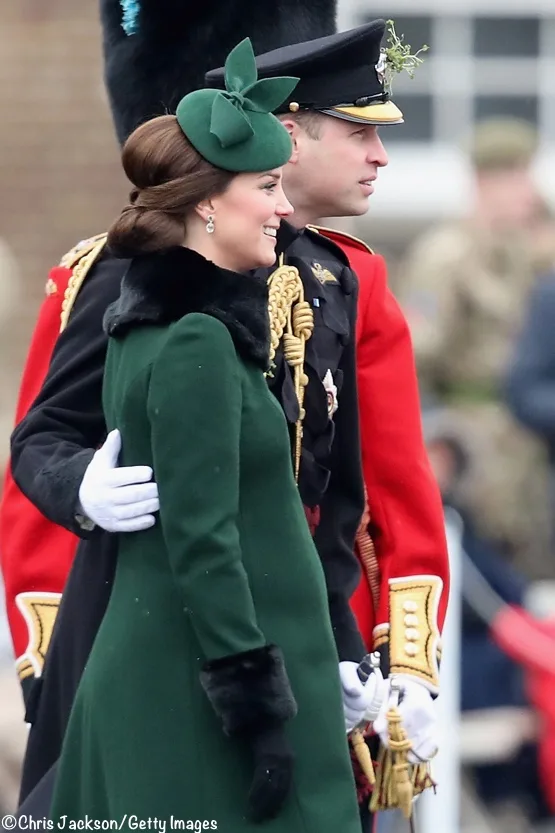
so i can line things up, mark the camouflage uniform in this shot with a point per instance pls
(464, 293)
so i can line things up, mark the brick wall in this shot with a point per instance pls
(59, 161)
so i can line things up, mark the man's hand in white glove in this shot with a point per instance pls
(118, 499)
(419, 715)
(359, 699)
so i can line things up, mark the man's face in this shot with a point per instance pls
(509, 197)
(335, 167)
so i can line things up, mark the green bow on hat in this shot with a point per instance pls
(235, 129)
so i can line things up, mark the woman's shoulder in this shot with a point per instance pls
(197, 351)
(198, 335)
(203, 327)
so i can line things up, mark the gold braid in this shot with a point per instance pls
(291, 320)
(80, 260)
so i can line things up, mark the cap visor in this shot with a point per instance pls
(384, 113)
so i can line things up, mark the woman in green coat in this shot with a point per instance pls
(212, 694)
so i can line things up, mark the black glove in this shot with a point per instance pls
(273, 772)
(251, 694)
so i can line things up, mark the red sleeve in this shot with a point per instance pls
(404, 587)
(406, 515)
(404, 500)
(35, 554)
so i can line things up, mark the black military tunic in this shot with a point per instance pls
(330, 478)
(53, 445)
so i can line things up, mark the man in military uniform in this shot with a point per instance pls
(464, 288)
(142, 81)
(52, 462)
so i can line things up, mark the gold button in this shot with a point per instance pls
(412, 635)
(410, 607)
(410, 620)
(411, 649)
(294, 107)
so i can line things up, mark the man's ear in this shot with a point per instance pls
(294, 131)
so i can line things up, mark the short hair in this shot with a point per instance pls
(309, 120)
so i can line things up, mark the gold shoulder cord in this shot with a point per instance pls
(291, 320)
(80, 260)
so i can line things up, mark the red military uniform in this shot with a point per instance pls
(405, 568)
(36, 554)
(402, 597)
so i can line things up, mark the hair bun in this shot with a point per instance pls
(169, 179)
(140, 230)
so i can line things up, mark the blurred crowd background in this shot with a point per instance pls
(465, 214)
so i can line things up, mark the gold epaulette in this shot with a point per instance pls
(80, 259)
(335, 232)
(81, 250)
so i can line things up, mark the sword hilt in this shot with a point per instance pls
(367, 666)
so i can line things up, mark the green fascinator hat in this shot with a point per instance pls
(235, 129)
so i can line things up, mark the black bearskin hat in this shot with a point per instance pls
(175, 42)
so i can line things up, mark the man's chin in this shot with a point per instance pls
(358, 208)
(355, 208)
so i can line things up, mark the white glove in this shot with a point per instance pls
(360, 700)
(118, 499)
(419, 715)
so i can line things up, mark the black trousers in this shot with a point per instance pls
(367, 818)
(38, 802)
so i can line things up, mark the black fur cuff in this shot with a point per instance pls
(249, 691)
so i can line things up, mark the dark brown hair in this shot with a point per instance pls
(308, 120)
(170, 178)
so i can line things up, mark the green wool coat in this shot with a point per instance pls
(229, 567)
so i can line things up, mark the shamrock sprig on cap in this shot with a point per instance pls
(397, 57)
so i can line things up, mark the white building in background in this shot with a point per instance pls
(486, 57)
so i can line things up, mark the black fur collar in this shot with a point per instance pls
(161, 288)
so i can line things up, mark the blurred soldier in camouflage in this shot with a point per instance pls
(464, 288)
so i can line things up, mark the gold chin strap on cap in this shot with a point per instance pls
(291, 321)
